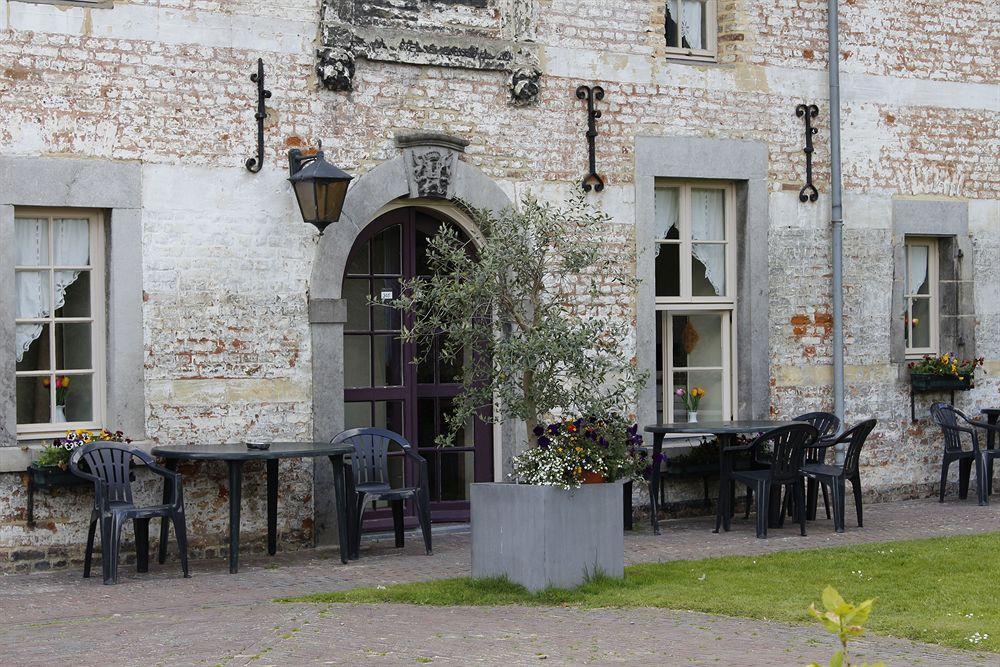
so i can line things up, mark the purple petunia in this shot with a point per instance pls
(603, 442)
(538, 430)
(554, 429)
(543, 442)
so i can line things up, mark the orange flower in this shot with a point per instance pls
(45, 382)
(65, 381)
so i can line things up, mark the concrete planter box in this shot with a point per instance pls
(541, 536)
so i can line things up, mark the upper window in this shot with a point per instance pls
(921, 315)
(690, 29)
(60, 312)
(694, 249)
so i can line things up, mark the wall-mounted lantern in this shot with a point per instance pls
(319, 186)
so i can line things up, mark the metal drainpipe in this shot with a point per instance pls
(836, 216)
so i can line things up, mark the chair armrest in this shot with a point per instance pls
(172, 475)
(981, 424)
(424, 481)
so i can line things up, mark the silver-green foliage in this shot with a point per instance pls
(519, 312)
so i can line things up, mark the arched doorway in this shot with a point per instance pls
(383, 387)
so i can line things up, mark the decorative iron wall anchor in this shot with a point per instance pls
(592, 94)
(808, 112)
(254, 164)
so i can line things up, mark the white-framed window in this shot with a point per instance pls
(921, 316)
(695, 288)
(691, 28)
(60, 316)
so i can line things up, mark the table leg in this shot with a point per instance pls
(343, 532)
(990, 443)
(272, 506)
(168, 494)
(235, 498)
(654, 482)
(725, 487)
(775, 510)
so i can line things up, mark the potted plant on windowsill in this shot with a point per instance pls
(51, 468)
(538, 315)
(944, 373)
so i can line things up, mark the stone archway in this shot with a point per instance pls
(428, 172)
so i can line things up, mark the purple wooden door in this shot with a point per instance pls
(383, 388)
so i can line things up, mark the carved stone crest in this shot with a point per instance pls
(429, 159)
(432, 172)
(524, 85)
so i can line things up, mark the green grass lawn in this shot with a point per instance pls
(941, 591)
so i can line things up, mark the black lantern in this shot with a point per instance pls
(319, 186)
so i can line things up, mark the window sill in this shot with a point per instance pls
(19, 457)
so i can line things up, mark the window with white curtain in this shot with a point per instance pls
(60, 313)
(695, 288)
(690, 29)
(920, 293)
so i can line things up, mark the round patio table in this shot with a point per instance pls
(235, 455)
(726, 432)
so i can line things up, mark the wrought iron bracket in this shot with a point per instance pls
(254, 164)
(593, 94)
(808, 112)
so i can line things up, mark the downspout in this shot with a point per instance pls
(836, 215)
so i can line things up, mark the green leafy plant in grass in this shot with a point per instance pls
(844, 620)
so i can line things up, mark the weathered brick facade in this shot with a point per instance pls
(226, 259)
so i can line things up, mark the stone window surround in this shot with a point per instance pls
(948, 221)
(115, 188)
(745, 163)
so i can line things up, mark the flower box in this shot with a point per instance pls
(47, 477)
(541, 536)
(935, 382)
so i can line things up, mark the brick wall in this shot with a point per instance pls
(226, 260)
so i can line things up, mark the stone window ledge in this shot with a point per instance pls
(17, 459)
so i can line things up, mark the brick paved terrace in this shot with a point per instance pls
(218, 618)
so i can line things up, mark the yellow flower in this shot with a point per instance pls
(579, 449)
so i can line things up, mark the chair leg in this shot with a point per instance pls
(397, 522)
(746, 513)
(141, 544)
(359, 517)
(114, 538)
(798, 488)
(826, 502)
(763, 507)
(180, 530)
(839, 501)
(945, 464)
(982, 482)
(856, 485)
(89, 555)
(964, 474)
(424, 515)
(812, 498)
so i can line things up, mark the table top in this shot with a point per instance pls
(992, 412)
(718, 428)
(239, 452)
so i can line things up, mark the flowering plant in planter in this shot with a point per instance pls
(948, 365)
(571, 451)
(62, 387)
(59, 452)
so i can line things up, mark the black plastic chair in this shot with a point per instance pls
(788, 447)
(108, 467)
(835, 477)
(946, 417)
(370, 465)
(828, 425)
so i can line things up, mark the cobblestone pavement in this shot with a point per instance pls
(217, 618)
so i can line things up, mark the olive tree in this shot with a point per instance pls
(527, 314)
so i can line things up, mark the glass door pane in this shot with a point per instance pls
(697, 349)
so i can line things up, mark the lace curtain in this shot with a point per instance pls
(916, 268)
(691, 20)
(667, 211)
(70, 247)
(708, 223)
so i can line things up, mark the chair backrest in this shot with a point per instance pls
(855, 438)
(108, 466)
(825, 422)
(788, 446)
(370, 460)
(946, 416)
